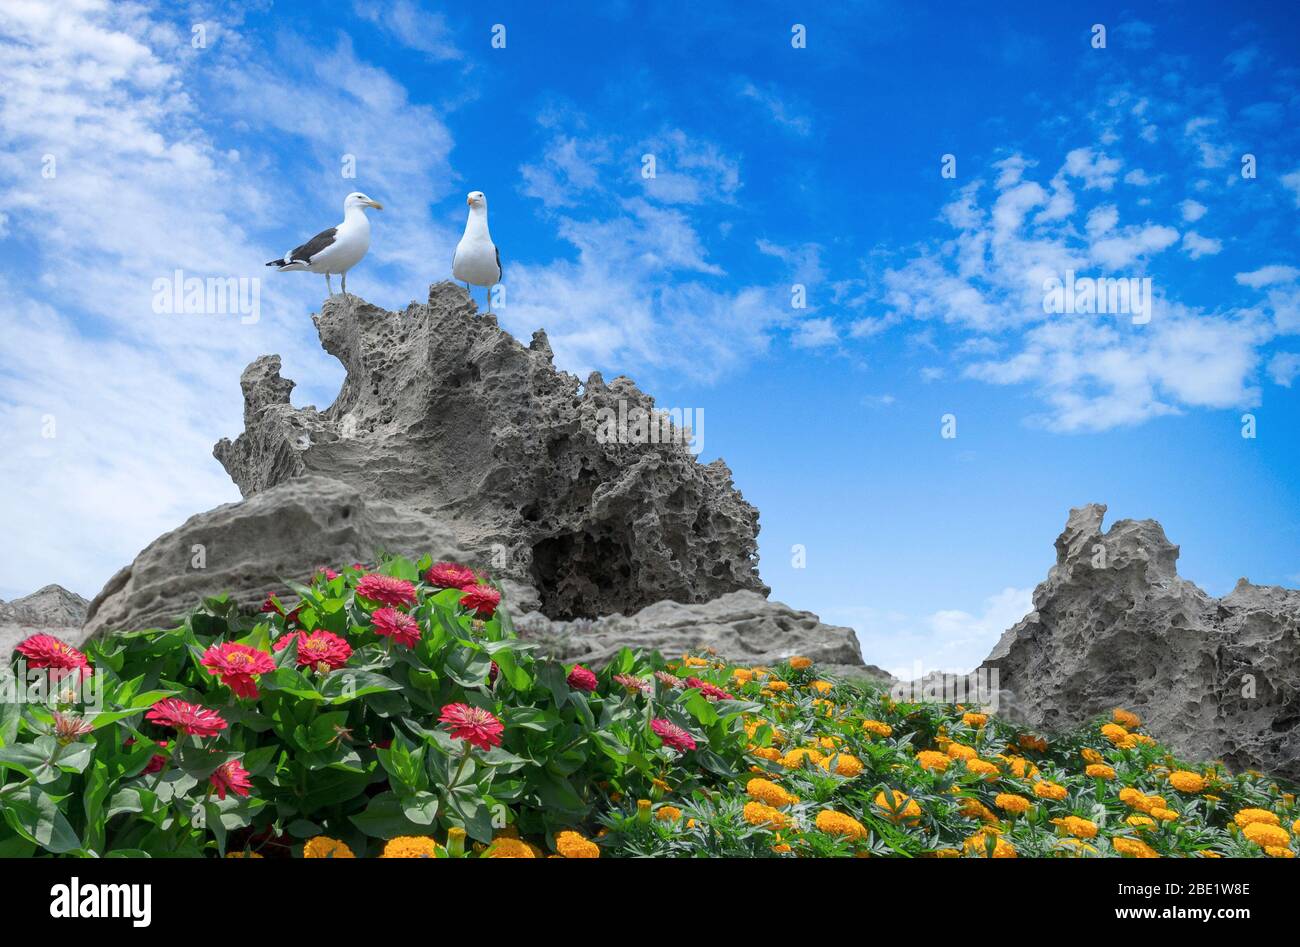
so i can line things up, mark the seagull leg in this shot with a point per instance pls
(345, 284)
(328, 284)
(489, 298)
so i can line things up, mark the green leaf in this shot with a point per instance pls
(36, 817)
(385, 817)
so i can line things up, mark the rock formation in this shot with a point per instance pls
(743, 626)
(52, 610)
(444, 412)
(1114, 626)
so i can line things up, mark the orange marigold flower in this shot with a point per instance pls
(799, 662)
(979, 845)
(1255, 816)
(897, 806)
(846, 764)
(765, 816)
(1091, 756)
(1021, 767)
(1046, 789)
(983, 768)
(1028, 741)
(766, 791)
(837, 823)
(410, 846)
(767, 753)
(1126, 719)
(570, 844)
(1278, 851)
(794, 759)
(878, 728)
(1141, 822)
(1114, 733)
(668, 813)
(1099, 771)
(324, 847)
(1163, 814)
(1133, 848)
(1011, 803)
(959, 751)
(778, 686)
(509, 848)
(822, 687)
(929, 759)
(1265, 835)
(1079, 828)
(974, 720)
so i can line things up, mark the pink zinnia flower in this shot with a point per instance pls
(69, 728)
(323, 650)
(633, 683)
(482, 600)
(272, 605)
(449, 575)
(473, 724)
(399, 626)
(238, 666)
(330, 574)
(668, 680)
(672, 735)
(581, 679)
(386, 589)
(187, 718)
(46, 651)
(707, 689)
(230, 776)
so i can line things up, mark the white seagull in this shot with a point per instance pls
(338, 249)
(477, 259)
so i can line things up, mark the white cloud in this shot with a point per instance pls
(1139, 178)
(1095, 169)
(814, 333)
(1268, 276)
(412, 26)
(785, 114)
(1192, 210)
(1284, 368)
(1291, 181)
(1197, 246)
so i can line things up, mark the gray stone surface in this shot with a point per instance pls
(744, 627)
(52, 610)
(444, 412)
(250, 547)
(1214, 678)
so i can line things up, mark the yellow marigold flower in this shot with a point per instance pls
(1020, 767)
(794, 759)
(692, 662)
(929, 759)
(977, 846)
(661, 785)
(782, 849)
(983, 768)
(1099, 771)
(1126, 719)
(846, 764)
(1091, 756)
(324, 847)
(1046, 789)
(668, 813)
(1151, 803)
(897, 806)
(1114, 733)
(765, 816)
(505, 847)
(837, 823)
(826, 706)
(1206, 853)
(571, 844)
(1011, 803)
(1079, 828)
(945, 853)
(1133, 848)
(1075, 845)
(1278, 851)
(1295, 826)
(974, 720)
(822, 687)
(878, 728)
(1255, 816)
(1132, 797)
(1141, 822)
(767, 753)
(1163, 814)
(742, 675)
(1264, 835)
(799, 662)
(826, 743)
(959, 751)
(255, 855)
(766, 791)
(778, 686)
(1142, 738)
(410, 846)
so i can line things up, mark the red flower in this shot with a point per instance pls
(185, 717)
(480, 727)
(581, 679)
(672, 735)
(634, 683)
(399, 626)
(323, 650)
(238, 665)
(330, 574)
(46, 651)
(448, 575)
(272, 605)
(707, 689)
(156, 762)
(386, 589)
(482, 600)
(230, 776)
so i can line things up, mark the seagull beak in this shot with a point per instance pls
(469, 201)
(375, 204)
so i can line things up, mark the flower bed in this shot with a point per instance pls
(394, 713)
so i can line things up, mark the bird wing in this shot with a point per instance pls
(500, 272)
(312, 247)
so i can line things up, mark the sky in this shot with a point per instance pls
(845, 251)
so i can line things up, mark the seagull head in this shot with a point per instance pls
(357, 199)
(476, 200)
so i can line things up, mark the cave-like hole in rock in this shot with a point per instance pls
(581, 575)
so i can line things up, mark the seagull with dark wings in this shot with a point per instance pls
(338, 249)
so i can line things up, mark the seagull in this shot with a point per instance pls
(338, 249)
(477, 258)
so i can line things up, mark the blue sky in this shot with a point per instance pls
(775, 166)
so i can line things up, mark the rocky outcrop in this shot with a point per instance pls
(249, 548)
(743, 626)
(445, 413)
(1115, 626)
(52, 610)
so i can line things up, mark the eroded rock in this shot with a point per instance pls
(51, 610)
(1115, 626)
